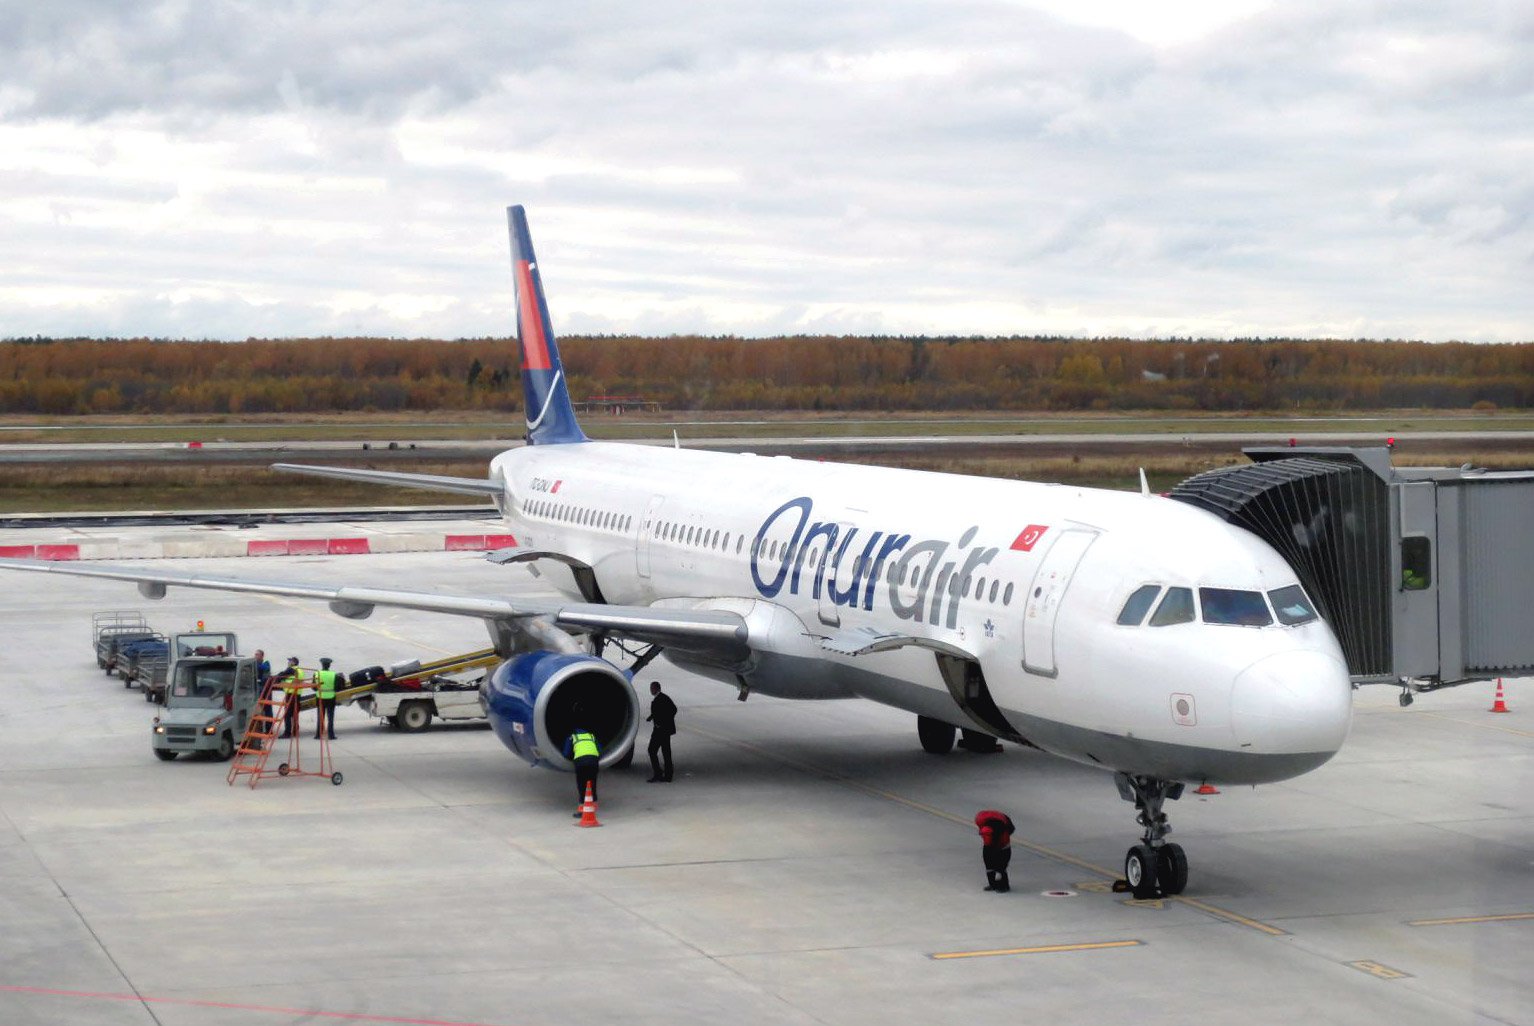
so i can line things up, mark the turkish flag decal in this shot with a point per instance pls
(1029, 538)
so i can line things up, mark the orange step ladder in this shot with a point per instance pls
(261, 738)
(261, 734)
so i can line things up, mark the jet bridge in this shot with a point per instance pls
(1424, 574)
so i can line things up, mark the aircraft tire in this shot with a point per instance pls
(1172, 869)
(935, 735)
(1140, 869)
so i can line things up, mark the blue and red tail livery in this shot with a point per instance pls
(545, 394)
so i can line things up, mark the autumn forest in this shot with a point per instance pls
(87, 376)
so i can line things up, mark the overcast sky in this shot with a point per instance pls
(210, 169)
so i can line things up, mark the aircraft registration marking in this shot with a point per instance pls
(1041, 949)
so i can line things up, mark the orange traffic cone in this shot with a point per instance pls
(1206, 788)
(1499, 705)
(589, 809)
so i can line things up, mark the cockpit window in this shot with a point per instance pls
(1139, 603)
(1241, 608)
(1291, 605)
(1177, 607)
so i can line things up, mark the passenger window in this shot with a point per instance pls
(1416, 563)
(1176, 607)
(739, 541)
(1006, 596)
(1138, 605)
(994, 586)
(1239, 608)
(1291, 605)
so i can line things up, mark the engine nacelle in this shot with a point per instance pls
(537, 699)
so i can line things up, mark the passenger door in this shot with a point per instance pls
(1042, 605)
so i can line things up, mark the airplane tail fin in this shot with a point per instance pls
(545, 393)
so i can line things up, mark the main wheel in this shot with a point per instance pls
(225, 750)
(1172, 869)
(164, 754)
(1140, 869)
(936, 736)
(414, 717)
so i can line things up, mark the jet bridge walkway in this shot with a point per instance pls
(1425, 574)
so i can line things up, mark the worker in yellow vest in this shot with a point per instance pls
(325, 699)
(582, 750)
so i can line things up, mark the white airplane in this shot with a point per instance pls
(1124, 631)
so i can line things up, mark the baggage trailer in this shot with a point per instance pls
(112, 628)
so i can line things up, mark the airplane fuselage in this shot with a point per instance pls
(922, 574)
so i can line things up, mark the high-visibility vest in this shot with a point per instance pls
(327, 680)
(583, 744)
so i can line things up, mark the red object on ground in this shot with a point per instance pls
(1499, 705)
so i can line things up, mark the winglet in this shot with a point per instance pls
(545, 393)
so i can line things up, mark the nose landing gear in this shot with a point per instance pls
(1156, 866)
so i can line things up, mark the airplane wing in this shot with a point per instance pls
(719, 632)
(428, 482)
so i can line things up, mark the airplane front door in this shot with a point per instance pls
(1042, 608)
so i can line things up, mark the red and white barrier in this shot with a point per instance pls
(223, 545)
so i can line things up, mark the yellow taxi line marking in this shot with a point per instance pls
(1042, 949)
(1039, 849)
(1508, 918)
(1478, 723)
(382, 632)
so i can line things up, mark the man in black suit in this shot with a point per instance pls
(663, 716)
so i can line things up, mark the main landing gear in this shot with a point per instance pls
(1156, 866)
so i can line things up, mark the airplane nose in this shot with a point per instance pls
(1292, 702)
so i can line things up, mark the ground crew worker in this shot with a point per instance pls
(291, 680)
(263, 671)
(325, 700)
(581, 748)
(996, 851)
(663, 715)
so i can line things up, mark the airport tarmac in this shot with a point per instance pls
(809, 865)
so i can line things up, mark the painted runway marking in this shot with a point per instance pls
(1017, 842)
(308, 1013)
(1042, 949)
(1457, 920)
(1478, 723)
(1379, 969)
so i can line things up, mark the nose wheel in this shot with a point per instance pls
(1156, 866)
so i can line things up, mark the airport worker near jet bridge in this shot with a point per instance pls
(582, 750)
(663, 715)
(325, 700)
(996, 851)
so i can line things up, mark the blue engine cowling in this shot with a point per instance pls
(538, 699)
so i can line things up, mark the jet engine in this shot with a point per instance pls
(537, 699)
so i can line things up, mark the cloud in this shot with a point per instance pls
(221, 169)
